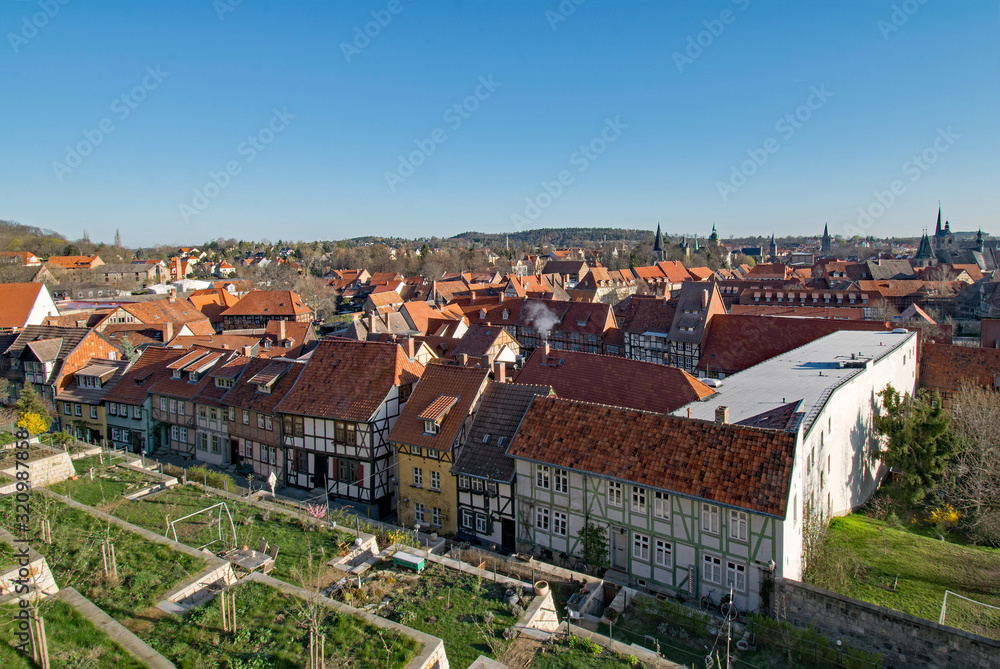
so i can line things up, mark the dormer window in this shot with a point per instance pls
(176, 374)
(263, 388)
(431, 427)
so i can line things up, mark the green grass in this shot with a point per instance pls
(270, 633)
(448, 605)
(862, 557)
(109, 484)
(74, 642)
(578, 653)
(146, 570)
(293, 541)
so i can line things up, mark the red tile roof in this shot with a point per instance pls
(736, 342)
(444, 387)
(349, 379)
(743, 467)
(244, 394)
(268, 303)
(143, 374)
(606, 379)
(16, 301)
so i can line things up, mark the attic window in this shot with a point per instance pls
(486, 438)
(430, 427)
(223, 383)
(502, 441)
(176, 374)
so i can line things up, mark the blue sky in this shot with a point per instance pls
(302, 123)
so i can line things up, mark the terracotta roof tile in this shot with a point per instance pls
(349, 379)
(244, 394)
(742, 467)
(268, 303)
(151, 366)
(16, 301)
(438, 408)
(612, 380)
(440, 384)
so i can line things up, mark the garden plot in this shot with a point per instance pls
(470, 614)
(100, 486)
(297, 540)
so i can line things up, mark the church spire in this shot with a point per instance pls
(937, 231)
(658, 246)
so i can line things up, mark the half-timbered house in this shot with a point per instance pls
(336, 419)
(485, 472)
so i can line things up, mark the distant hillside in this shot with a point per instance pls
(17, 237)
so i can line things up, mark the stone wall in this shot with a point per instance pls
(43, 472)
(902, 639)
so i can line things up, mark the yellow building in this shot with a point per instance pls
(80, 405)
(427, 436)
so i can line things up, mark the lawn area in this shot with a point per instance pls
(146, 570)
(445, 604)
(270, 633)
(9, 455)
(862, 558)
(109, 484)
(74, 642)
(251, 525)
(578, 653)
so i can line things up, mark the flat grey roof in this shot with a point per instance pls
(809, 373)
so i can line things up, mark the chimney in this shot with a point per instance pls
(281, 331)
(500, 372)
(722, 415)
(463, 359)
(371, 322)
(172, 295)
(545, 349)
(704, 299)
(486, 361)
(473, 297)
(168, 332)
(248, 351)
(411, 348)
(501, 296)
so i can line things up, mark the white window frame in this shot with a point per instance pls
(615, 494)
(436, 516)
(560, 523)
(542, 519)
(93, 411)
(710, 518)
(463, 482)
(736, 576)
(661, 505)
(561, 481)
(268, 423)
(711, 569)
(663, 554)
(163, 404)
(246, 417)
(477, 485)
(418, 477)
(418, 512)
(260, 421)
(739, 525)
(481, 523)
(436, 481)
(467, 519)
(543, 477)
(638, 499)
(640, 546)
(202, 442)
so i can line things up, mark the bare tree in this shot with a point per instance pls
(973, 483)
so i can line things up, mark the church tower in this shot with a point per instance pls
(772, 249)
(658, 246)
(826, 248)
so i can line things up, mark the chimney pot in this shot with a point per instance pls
(722, 415)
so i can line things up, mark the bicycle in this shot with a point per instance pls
(724, 607)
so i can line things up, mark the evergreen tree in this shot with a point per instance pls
(919, 444)
(32, 411)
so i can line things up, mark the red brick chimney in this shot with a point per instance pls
(463, 359)
(500, 372)
(411, 348)
(501, 296)
(486, 361)
(545, 349)
(172, 296)
(168, 332)
(722, 415)
(248, 351)
(281, 331)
